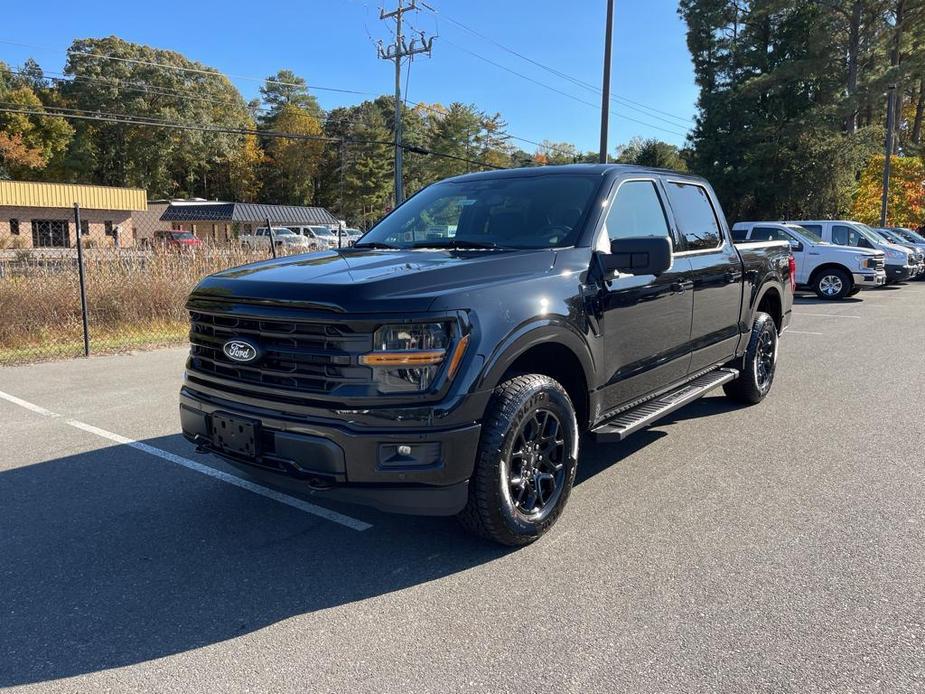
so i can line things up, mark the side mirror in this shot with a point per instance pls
(796, 246)
(643, 255)
(864, 243)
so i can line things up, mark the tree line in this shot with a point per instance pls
(790, 122)
(793, 104)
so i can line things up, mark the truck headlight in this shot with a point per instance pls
(408, 357)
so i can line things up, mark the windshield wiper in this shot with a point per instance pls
(455, 243)
(374, 244)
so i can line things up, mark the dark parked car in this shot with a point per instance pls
(454, 375)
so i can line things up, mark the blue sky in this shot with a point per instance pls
(331, 44)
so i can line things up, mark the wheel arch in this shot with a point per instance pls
(771, 302)
(551, 350)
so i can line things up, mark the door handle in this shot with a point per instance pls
(731, 277)
(680, 286)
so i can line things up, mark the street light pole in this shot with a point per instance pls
(605, 95)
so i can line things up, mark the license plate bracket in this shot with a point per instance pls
(235, 435)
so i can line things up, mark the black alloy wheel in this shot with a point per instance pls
(536, 470)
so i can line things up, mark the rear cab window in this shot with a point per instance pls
(766, 233)
(739, 234)
(695, 216)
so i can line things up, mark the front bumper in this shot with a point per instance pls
(899, 273)
(348, 464)
(869, 279)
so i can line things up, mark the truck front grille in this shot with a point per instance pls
(875, 263)
(304, 357)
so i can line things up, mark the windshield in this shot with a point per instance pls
(536, 211)
(868, 233)
(323, 231)
(890, 236)
(806, 233)
(181, 235)
(283, 232)
(910, 235)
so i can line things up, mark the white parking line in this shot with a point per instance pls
(266, 492)
(824, 315)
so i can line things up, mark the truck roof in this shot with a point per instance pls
(586, 169)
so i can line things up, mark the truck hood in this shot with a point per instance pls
(365, 280)
(851, 249)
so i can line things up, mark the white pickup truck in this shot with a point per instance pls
(833, 272)
(283, 237)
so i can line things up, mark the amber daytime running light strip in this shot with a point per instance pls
(417, 357)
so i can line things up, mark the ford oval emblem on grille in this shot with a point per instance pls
(240, 351)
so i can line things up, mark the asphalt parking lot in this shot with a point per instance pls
(773, 548)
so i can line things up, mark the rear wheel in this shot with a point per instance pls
(526, 461)
(833, 284)
(757, 375)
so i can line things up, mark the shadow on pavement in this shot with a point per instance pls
(113, 557)
(813, 300)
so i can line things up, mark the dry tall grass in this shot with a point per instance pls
(135, 299)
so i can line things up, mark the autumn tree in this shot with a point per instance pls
(29, 142)
(294, 156)
(906, 201)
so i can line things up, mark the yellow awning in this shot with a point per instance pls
(32, 194)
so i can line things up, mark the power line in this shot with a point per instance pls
(200, 71)
(144, 87)
(129, 119)
(558, 91)
(558, 73)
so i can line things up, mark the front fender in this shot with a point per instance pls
(538, 331)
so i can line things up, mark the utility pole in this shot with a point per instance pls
(395, 52)
(605, 96)
(888, 151)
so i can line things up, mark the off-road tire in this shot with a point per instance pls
(825, 279)
(749, 388)
(490, 511)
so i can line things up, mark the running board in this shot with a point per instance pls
(641, 416)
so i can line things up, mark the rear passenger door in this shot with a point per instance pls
(716, 271)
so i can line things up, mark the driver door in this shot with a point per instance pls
(646, 321)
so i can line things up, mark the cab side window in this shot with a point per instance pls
(845, 236)
(695, 216)
(636, 211)
(739, 234)
(770, 234)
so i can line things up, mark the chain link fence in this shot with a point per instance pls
(136, 274)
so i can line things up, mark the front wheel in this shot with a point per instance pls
(832, 284)
(526, 461)
(757, 375)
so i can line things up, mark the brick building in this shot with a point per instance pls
(41, 215)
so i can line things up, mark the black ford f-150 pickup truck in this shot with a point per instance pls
(447, 362)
